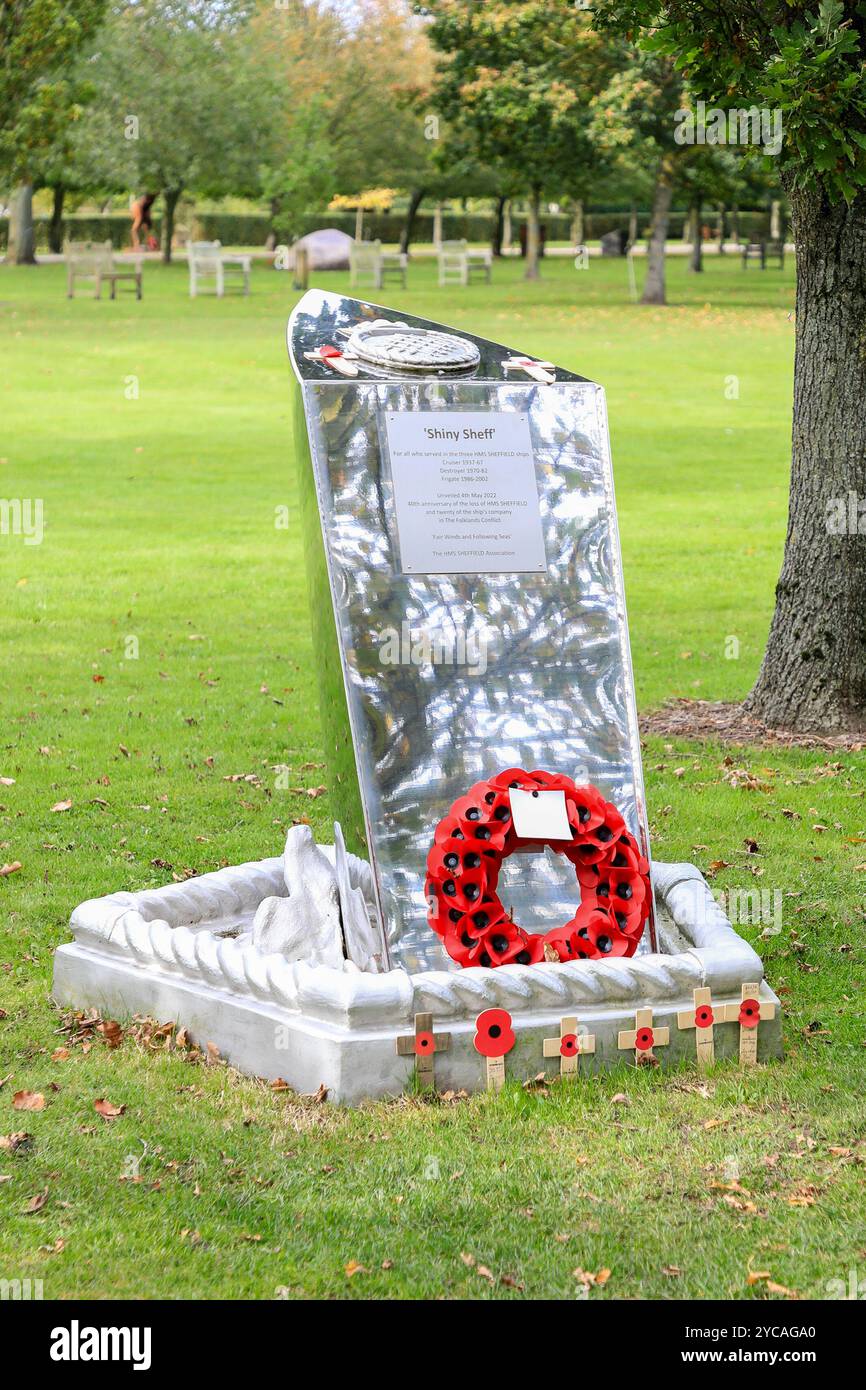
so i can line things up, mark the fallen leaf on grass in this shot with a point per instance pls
(13, 1142)
(620, 1099)
(60, 1054)
(748, 1208)
(763, 1277)
(111, 1032)
(672, 1271)
(55, 1249)
(35, 1204)
(62, 806)
(353, 1268)
(107, 1110)
(318, 1097)
(7, 781)
(589, 1280)
(7, 869)
(28, 1100)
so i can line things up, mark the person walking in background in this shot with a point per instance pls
(141, 217)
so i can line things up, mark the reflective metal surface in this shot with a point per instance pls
(445, 679)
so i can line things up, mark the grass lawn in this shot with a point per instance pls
(157, 642)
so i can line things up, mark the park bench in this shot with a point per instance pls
(457, 264)
(94, 260)
(368, 263)
(207, 260)
(762, 250)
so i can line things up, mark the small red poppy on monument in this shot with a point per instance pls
(423, 1044)
(750, 1013)
(702, 1019)
(644, 1037)
(494, 1037)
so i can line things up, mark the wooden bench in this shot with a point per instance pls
(457, 264)
(762, 251)
(369, 263)
(95, 260)
(207, 260)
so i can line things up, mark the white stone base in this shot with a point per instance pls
(183, 953)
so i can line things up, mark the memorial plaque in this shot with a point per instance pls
(466, 593)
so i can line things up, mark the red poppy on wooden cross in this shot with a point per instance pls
(749, 1013)
(568, 1046)
(539, 371)
(494, 1038)
(643, 1037)
(333, 358)
(423, 1044)
(702, 1019)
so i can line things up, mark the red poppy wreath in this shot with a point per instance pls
(463, 866)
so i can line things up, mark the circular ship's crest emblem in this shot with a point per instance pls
(400, 348)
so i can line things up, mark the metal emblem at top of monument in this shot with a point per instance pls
(470, 631)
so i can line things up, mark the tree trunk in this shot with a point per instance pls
(498, 226)
(437, 226)
(415, 199)
(813, 677)
(533, 236)
(171, 196)
(577, 225)
(696, 259)
(654, 285)
(735, 225)
(22, 236)
(55, 227)
(359, 224)
(632, 226)
(721, 229)
(506, 227)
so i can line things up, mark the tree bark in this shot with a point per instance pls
(21, 249)
(696, 259)
(171, 197)
(813, 676)
(55, 226)
(498, 226)
(721, 229)
(654, 285)
(533, 236)
(415, 199)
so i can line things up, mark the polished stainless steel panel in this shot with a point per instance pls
(426, 720)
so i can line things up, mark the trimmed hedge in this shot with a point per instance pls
(253, 229)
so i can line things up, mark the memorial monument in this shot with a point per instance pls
(489, 891)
